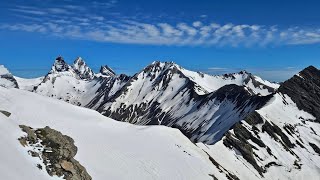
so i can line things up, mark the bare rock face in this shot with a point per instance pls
(57, 152)
(60, 65)
(107, 71)
(6, 113)
(81, 68)
(304, 90)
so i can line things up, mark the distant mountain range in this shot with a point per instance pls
(248, 127)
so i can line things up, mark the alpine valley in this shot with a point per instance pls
(164, 122)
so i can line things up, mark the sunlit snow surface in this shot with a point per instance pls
(280, 111)
(106, 148)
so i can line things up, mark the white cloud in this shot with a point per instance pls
(98, 18)
(30, 11)
(187, 29)
(58, 11)
(197, 24)
(203, 16)
(71, 21)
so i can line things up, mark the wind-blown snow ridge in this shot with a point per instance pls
(106, 147)
(162, 93)
(263, 130)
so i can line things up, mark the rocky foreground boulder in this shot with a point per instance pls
(57, 152)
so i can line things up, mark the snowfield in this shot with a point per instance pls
(281, 111)
(244, 127)
(108, 149)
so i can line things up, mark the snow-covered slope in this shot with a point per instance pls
(73, 84)
(243, 127)
(279, 140)
(203, 107)
(211, 83)
(6, 78)
(28, 84)
(106, 148)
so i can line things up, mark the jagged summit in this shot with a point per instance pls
(156, 66)
(107, 71)
(304, 89)
(60, 65)
(81, 68)
(309, 72)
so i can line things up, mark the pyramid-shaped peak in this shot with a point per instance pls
(60, 65)
(79, 60)
(309, 72)
(107, 71)
(310, 69)
(81, 68)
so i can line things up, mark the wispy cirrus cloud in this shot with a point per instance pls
(78, 22)
(29, 11)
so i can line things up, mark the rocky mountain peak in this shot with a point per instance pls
(107, 71)
(158, 66)
(304, 89)
(244, 72)
(60, 65)
(310, 72)
(79, 62)
(81, 68)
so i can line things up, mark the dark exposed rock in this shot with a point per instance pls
(229, 175)
(304, 90)
(60, 65)
(289, 129)
(107, 71)
(297, 165)
(273, 131)
(30, 133)
(107, 84)
(214, 177)
(6, 113)
(10, 78)
(254, 118)
(315, 148)
(300, 144)
(57, 154)
(271, 164)
(243, 135)
(244, 148)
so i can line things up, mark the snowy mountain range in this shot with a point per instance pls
(242, 127)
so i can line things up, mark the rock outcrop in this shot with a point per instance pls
(57, 152)
(304, 90)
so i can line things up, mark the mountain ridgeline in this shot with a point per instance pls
(202, 106)
(264, 130)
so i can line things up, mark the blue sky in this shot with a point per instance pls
(269, 38)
